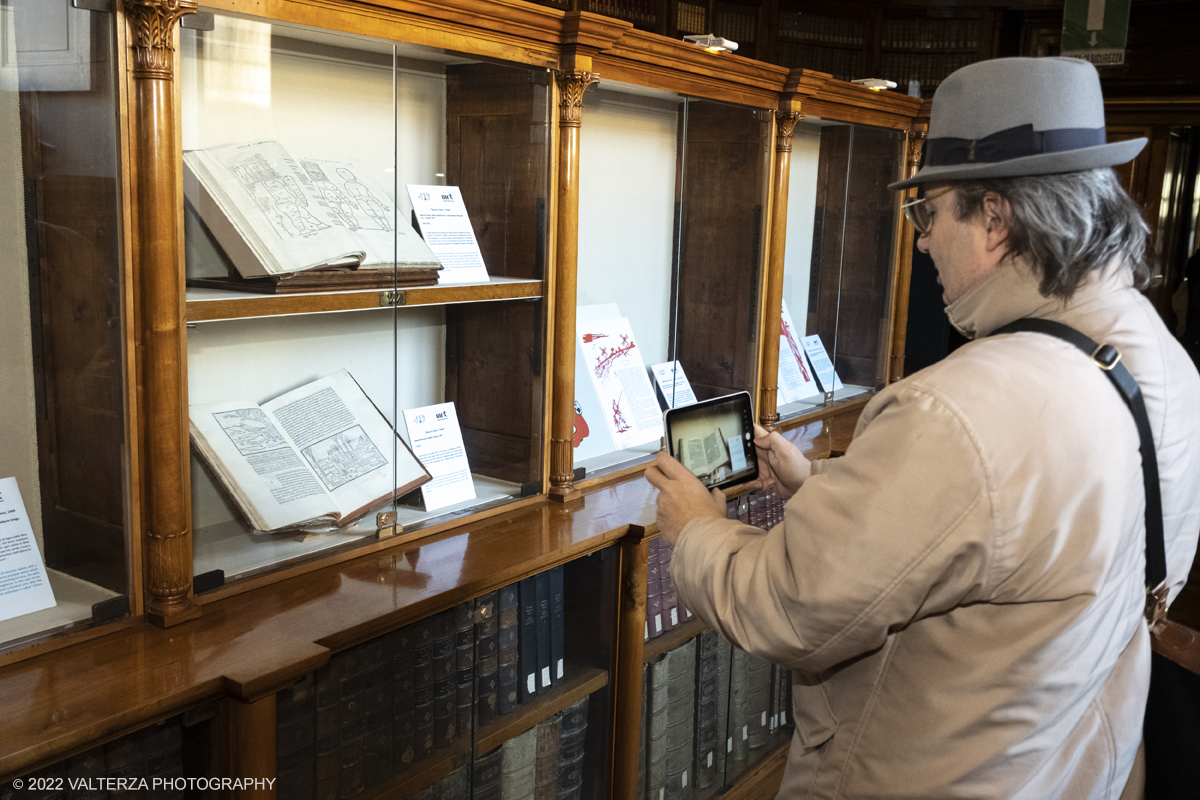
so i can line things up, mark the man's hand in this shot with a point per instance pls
(681, 497)
(780, 463)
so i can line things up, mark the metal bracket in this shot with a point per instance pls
(392, 297)
(200, 21)
(386, 525)
(104, 6)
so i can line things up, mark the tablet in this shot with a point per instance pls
(714, 439)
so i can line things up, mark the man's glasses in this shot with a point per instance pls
(919, 214)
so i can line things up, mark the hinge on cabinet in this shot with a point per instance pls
(386, 524)
(392, 297)
(200, 21)
(94, 5)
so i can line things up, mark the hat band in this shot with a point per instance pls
(1007, 144)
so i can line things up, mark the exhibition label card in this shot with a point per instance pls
(795, 374)
(24, 587)
(437, 441)
(615, 366)
(821, 363)
(674, 384)
(447, 230)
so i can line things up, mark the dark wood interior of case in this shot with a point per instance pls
(497, 140)
(72, 213)
(853, 248)
(714, 329)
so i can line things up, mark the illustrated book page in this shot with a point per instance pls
(322, 453)
(614, 363)
(274, 214)
(795, 373)
(703, 455)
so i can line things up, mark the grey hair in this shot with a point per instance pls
(1068, 225)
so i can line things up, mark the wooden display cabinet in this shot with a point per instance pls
(491, 97)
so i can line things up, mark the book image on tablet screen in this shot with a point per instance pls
(714, 439)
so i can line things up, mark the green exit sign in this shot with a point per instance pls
(1096, 30)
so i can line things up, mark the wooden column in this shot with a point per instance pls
(571, 85)
(161, 369)
(249, 744)
(785, 122)
(904, 246)
(627, 671)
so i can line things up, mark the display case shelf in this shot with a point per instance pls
(578, 682)
(207, 305)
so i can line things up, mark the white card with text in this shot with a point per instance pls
(447, 230)
(437, 441)
(674, 384)
(821, 363)
(24, 587)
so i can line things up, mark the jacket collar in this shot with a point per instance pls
(1010, 292)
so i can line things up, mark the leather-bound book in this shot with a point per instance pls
(329, 729)
(656, 729)
(706, 709)
(641, 795)
(557, 624)
(404, 720)
(739, 678)
(670, 610)
(351, 779)
(163, 746)
(377, 712)
(85, 773)
(758, 701)
(542, 587)
(528, 677)
(654, 621)
(508, 638)
(571, 750)
(487, 658)
(485, 782)
(545, 785)
(724, 723)
(295, 737)
(518, 766)
(464, 664)
(455, 786)
(681, 709)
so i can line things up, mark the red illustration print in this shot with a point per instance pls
(619, 418)
(581, 427)
(609, 356)
(787, 331)
(591, 337)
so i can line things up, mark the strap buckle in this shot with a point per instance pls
(1156, 604)
(1106, 357)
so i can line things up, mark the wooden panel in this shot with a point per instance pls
(250, 744)
(724, 174)
(497, 140)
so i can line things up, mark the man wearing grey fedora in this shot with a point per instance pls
(960, 597)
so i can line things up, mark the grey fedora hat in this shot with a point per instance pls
(1011, 117)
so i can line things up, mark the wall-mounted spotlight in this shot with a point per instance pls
(711, 43)
(875, 84)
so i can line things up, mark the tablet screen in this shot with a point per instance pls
(715, 439)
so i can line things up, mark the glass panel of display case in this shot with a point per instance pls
(841, 228)
(672, 198)
(405, 380)
(63, 495)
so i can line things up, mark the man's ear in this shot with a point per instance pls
(997, 215)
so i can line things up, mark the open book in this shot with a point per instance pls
(274, 214)
(320, 454)
(703, 456)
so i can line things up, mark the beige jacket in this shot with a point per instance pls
(960, 596)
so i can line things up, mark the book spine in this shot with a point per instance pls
(528, 640)
(758, 701)
(724, 723)
(445, 695)
(739, 723)
(654, 621)
(670, 610)
(485, 782)
(546, 770)
(423, 687)
(508, 640)
(353, 726)
(404, 720)
(163, 747)
(329, 730)
(85, 775)
(377, 713)
(455, 786)
(464, 666)
(641, 795)
(570, 750)
(656, 730)
(557, 624)
(681, 706)
(487, 658)
(706, 709)
(518, 766)
(542, 588)
(295, 729)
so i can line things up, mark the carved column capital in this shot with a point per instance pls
(785, 123)
(916, 143)
(571, 85)
(153, 24)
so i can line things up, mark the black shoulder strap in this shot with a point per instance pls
(1108, 359)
